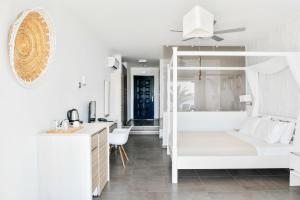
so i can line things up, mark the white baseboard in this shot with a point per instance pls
(161, 133)
(144, 132)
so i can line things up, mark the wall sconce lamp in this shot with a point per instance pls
(247, 99)
(82, 83)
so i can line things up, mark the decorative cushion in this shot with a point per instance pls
(272, 131)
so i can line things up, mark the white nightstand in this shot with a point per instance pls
(295, 169)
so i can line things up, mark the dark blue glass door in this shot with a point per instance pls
(143, 97)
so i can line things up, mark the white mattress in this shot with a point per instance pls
(263, 148)
(216, 143)
(235, 143)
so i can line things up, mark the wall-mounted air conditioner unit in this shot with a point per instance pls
(113, 62)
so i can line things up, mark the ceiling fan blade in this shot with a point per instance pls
(176, 31)
(187, 39)
(241, 29)
(217, 38)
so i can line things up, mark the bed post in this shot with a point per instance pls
(174, 124)
(168, 108)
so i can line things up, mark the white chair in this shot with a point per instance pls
(118, 138)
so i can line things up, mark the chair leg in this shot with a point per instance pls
(121, 154)
(125, 154)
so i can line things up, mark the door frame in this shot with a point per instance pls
(153, 93)
(143, 71)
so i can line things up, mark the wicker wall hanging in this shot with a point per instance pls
(31, 46)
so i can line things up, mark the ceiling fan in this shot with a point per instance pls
(216, 33)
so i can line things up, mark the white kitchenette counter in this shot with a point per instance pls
(87, 130)
(74, 165)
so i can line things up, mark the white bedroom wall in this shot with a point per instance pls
(162, 87)
(26, 112)
(115, 93)
(163, 84)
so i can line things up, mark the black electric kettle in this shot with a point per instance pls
(73, 115)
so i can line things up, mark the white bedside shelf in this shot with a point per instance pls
(295, 169)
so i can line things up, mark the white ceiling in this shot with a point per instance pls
(139, 28)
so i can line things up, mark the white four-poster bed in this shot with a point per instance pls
(191, 150)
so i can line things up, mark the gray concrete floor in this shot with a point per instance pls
(148, 176)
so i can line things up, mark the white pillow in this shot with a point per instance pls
(287, 135)
(271, 131)
(249, 125)
(274, 132)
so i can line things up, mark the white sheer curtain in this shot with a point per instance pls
(293, 60)
(268, 79)
(273, 86)
(270, 66)
(278, 94)
(252, 79)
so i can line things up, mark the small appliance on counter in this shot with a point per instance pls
(63, 127)
(104, 120)
(92, 112)
(73, 116)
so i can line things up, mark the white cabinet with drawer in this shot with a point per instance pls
(74, 165)
(95, 161)
(295, 169)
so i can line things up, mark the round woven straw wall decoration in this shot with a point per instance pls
(31, 46)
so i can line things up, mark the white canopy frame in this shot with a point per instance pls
(292, 60)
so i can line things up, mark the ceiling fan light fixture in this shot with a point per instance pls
(198, 22)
